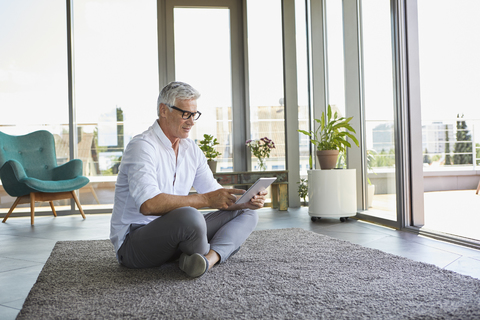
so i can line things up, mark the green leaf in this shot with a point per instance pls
(354, 139)
(332, 133)
(305, 132)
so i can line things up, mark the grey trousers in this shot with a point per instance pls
(186, 230)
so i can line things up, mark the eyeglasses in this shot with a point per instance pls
(187, 114)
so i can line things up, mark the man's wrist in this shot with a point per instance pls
(203, 200)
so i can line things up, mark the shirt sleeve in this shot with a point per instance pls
(139, 166)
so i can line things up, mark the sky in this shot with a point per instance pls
(449, 64)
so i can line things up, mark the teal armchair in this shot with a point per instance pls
(29, 171)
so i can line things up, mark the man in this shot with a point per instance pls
(154, 218)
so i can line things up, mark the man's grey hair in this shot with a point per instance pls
(176, 90)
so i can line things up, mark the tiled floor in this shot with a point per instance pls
(453, 212)
(25, 249)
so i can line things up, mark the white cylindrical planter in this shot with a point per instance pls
(332, 193)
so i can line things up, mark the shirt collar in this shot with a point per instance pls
(163, 138)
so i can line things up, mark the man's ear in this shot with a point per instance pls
(163, 109)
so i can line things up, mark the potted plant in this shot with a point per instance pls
(207, 145)
(261, 149)
(303, 190)
(330, 138)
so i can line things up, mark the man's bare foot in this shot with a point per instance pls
(212, 257)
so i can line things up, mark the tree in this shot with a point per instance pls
(448, 160)
(120, 129)
(384, 159)
(463, 146)
(477, 147)
(426, 157)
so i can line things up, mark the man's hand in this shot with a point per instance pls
(256, 202)
(222, 198)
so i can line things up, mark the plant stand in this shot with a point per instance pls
(332, 193)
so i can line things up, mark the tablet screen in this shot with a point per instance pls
(259, 185)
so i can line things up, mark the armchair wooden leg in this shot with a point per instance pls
(478, 188)
(78, 204)
(94, 194)
(53, 208)
(32, 207)
(11, 209)
(47, 197)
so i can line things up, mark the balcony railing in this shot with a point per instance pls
(451, 154)
(447, 144)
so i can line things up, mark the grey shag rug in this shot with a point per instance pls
(277, 274)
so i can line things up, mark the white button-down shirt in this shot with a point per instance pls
(149, 167)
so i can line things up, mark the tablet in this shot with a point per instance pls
(259, 185)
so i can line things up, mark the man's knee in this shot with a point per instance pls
(253, 214)
(188, 217)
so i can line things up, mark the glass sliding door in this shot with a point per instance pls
(207, 57)
(203, 59)
(265, 70)
(379, 109)
(116, 86)
(450, 111)
(33, 78)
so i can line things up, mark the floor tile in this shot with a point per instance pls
(414, 251)
(8, 313)
(16, 304)
(27, 248)
(357, 238)
(16, 284)
(7, 264)
(449, 247)
(466, 266)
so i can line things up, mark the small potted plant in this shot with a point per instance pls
(261, 149)
(330, 138)
(207, 145)
(303, 190)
